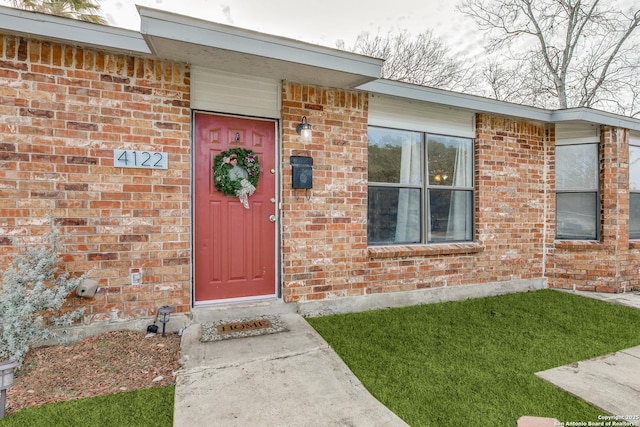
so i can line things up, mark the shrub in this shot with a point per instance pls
(34, 284)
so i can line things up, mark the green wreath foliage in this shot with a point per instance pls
(247, 160)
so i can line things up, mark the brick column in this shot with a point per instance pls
(606, 265)
(512, 196)
(324, 238)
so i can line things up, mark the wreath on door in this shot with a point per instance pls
(236, 172)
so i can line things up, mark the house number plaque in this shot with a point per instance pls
(140, 159)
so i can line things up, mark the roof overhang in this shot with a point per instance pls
(72, 31)
(222, 47)
(595, 116)
(486, 105)
(231, 49)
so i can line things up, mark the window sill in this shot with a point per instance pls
(579, 245)
(402, 251)
(634, 244)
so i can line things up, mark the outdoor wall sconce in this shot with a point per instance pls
(304, 130)
(6, 380)
(164, 313)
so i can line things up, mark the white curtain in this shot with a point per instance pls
(459, 222)
(408, 219)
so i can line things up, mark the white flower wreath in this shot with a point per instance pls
(236, 172)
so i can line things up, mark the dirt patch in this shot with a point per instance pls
(108, 363)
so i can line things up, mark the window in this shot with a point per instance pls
(577, 195)
(420, 187)
(634, 190)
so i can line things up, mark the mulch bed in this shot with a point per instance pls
(111, 362)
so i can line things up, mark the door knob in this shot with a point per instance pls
(272, 218)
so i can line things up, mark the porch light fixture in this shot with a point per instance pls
(304, 130)
(6, 380)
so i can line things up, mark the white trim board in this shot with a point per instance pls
(218, 91)
(400, 113)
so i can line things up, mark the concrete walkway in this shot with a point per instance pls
(290, 378)
(293, 378)
(611, 382)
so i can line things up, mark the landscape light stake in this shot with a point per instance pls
(164, 311)
(6, 380)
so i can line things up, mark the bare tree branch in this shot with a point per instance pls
(604, 70)
(423, 59)
(586, 49)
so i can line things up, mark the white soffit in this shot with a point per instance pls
(214, 90)
(577, 133)
(455, 99)
(401, 113)
(72, 31)
(588, 115)
(479, 104)
(235, 50)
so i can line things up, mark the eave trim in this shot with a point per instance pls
(167, 25)
(72, 31)
(486, 105)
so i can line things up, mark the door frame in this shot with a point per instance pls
(278, 241)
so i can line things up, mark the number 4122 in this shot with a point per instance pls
(140, 159)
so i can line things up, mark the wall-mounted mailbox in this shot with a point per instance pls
(302, 171)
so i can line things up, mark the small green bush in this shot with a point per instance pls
(34, 284)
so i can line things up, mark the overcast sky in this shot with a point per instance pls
(320, 22)
(324, 22)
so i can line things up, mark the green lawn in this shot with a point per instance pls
(152, 407)
(472, 362)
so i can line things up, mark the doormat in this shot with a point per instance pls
(240, 328)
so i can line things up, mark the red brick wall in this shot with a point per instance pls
(325, 254)
(513, 183)
(515, 221)
(611, 264)
(510, 205)
(63, 110)
(324, 238)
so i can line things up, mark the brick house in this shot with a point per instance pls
(415, 193)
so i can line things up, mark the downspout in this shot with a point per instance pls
(545, 176)
(620, 137)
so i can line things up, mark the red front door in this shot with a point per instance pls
(234, 247)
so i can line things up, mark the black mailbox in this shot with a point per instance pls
(301, 171)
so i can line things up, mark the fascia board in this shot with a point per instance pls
(73, 31)
(455, 99)
(595, 116)
(480, 104)
(161, 24)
